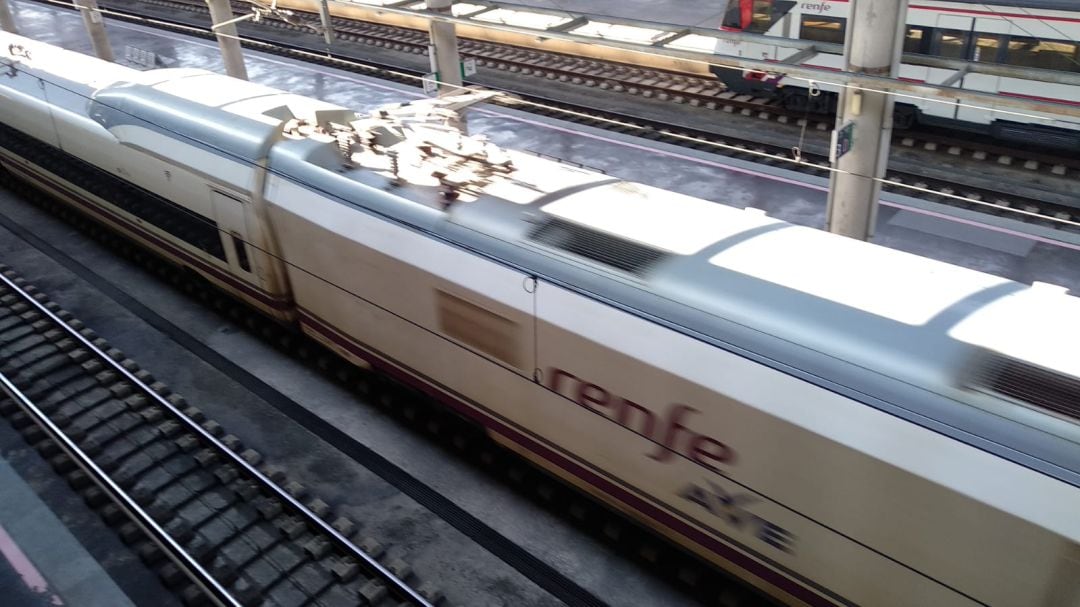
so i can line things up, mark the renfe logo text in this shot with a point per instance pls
(816, 7)
(669, 430)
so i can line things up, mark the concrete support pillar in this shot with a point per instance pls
(874, 43)
(327, 25)
(95, 26)
(444, 49)
(228, 38)
(7, 20)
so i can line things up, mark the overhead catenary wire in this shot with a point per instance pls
(799, 161)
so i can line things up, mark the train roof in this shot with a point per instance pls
(234, 116)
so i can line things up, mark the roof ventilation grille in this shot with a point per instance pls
(600, 247)
(1029, 384)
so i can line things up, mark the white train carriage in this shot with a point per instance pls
(202, 214)
(1030, 34)
(838, 423)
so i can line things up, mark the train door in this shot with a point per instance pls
(232, 225)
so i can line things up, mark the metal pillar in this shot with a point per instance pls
(873, 45)
(228, 39)
(95, 26)
(7, 20)
(445, 60)
(327, 25)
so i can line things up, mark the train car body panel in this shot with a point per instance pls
(385, 294)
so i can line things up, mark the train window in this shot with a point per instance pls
(1045, 54)
(953, 43)
(241, 252)
(479, 328)
(180, 222)
(916, 40)
(822, 29)
(768, 12)
(987, 48)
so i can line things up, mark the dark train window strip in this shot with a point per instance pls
(180, 222)
(1060, 55)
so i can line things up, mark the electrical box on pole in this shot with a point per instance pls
(861, 142)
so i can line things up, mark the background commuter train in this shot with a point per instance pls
(835, 422)
(1029, 34)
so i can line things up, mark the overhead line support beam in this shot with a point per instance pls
(804, 55)
(672, 37)
(955, 77)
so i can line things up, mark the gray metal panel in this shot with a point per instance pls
(211, 128)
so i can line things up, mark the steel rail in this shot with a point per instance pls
(678, 31)
(215, 590)
(206, 582)
(871, 83)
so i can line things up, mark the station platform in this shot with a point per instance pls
(54, 550)
(998, 246)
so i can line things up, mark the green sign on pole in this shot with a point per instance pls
(842, 140)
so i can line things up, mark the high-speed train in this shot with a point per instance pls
(835, 422)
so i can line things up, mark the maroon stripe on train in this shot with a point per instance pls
(772, 576)
(265, 297)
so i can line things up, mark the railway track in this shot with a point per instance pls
(930, 176)
(219, 528)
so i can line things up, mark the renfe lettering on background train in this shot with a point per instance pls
(667, 434)
(816, 7)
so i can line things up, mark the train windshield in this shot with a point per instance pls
(754, 16)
